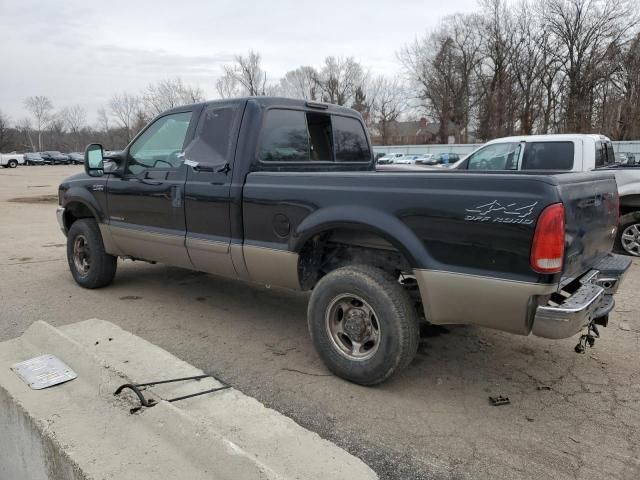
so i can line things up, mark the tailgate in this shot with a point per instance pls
(591, 214)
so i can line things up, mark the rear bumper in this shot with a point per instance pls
(593, 298)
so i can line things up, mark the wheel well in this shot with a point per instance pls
(629, 204)
(336, 248)
(75, 211)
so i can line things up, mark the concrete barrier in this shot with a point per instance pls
(80, 430)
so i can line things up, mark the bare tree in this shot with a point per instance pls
(244, 77)
(228, 87)
(56, 132)
(441, 68)
(300, 83)
(339, 79)
(497, 102)
(6, 135)
(104, 125)
(168, 94)
(75, 117)
(103, 119)
(40, 107)
(124, 107)
(586, 32)
(528, 45)
(25, 128)
(387, 101)
(628, 118)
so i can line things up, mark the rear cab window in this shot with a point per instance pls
(548, 156)
(296, 136)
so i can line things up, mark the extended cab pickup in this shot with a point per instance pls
(11, 160)
(284, 192)
(570, 153)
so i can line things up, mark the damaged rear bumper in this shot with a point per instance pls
(590, 299)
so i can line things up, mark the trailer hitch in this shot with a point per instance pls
(588, 338)
(138, 388)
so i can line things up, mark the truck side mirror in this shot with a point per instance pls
(94, 160)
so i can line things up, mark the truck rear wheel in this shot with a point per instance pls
(363, 324)
(628, 236)
(90, 265)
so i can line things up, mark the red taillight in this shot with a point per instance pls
(547, 251)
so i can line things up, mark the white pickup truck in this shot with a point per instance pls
(11, 160)
(571, 153)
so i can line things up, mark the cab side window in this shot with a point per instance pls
(611, 156)
(284, 137)
(298, 136)
(350, 139)
(548, 156)
(213, 139)
(601, 155)
(499, 156)
(161, 146)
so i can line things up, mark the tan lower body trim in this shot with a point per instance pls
(211, 256)
(147, 245)
(107, 240)
(237, 257)
(272, 267)
(454, 298)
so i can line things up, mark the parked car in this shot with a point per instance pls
(390, 158)
(406, 159)
(11, 160)
(33, 158)
(447, 158)
(55, 158)
(284, 192)
(626, 159)
(76, 158)
(426, 159)
(621, 158)
(406, 167)
(569, 153)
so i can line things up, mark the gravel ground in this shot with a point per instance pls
(571, 416)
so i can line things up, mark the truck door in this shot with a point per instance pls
(210, 158)
(146, 204)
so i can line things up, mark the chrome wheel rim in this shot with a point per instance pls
(353, 327)
(81, 255)
(631, 239)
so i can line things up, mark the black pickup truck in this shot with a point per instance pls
(284, 192)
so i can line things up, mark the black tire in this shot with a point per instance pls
(101, 267)
(628, 224)
(394, 313)
(12, 163)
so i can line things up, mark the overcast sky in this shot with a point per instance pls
(79, 51)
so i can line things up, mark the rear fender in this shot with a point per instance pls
(363, 218)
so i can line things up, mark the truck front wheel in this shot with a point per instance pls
(13, 163)
(628, 237)
(363, 324)
(90, 265)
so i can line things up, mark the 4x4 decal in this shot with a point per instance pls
(496, 212)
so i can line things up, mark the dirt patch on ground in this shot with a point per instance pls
(35, 199)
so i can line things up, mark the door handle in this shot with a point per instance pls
(204, 167)
(224, 169)
(143, 180)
